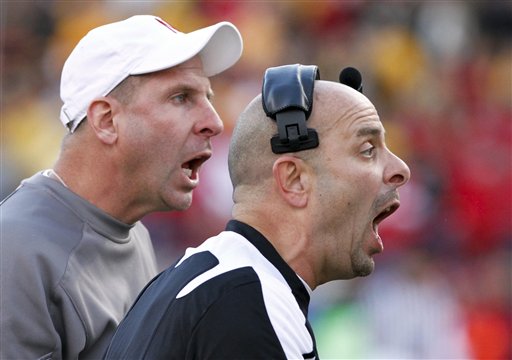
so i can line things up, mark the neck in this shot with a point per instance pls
(287, 234)
(105, 190)
(53, 174)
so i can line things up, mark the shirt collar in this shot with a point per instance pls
(264, 246)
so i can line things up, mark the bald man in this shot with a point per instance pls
(300, 219)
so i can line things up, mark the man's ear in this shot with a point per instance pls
(292, 178)
(100, 116)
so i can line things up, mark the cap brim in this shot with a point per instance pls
(220, 46)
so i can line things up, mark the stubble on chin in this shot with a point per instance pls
(362, 264)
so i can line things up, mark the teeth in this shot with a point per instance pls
(188, 172)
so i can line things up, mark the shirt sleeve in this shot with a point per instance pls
(34, 310)
(27, 329)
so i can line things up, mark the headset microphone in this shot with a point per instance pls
(352, 77)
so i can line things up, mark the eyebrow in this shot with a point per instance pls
(366, 131)
(191, 89)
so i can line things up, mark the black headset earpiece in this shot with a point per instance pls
(287, 97)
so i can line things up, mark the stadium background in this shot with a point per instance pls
(440, 75)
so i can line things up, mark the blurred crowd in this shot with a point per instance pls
(440, 75)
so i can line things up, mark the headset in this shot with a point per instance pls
(287, 98)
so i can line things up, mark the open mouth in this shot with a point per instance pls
(384, 214)
(191, 167)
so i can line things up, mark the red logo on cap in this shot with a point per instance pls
(166, 25)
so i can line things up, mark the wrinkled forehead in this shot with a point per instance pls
(339, 106)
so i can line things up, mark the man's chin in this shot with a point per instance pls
(180, 203)
(362, 266)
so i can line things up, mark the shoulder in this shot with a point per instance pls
(43, 226)
(38, 233)
(187, 289)
(34, 212)
(214, 303)
(207, 321)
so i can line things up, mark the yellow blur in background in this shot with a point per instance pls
(440, 75)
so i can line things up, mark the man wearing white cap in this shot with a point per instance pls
(74, 254)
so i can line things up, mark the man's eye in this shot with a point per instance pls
(180, 98)
(369, 151)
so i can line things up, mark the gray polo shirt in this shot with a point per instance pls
(69, 272)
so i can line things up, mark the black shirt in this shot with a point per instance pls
(233, 297)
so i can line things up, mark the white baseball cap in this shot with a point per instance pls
(138, 45)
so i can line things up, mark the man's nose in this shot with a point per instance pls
(397, 172)
(210, 123)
